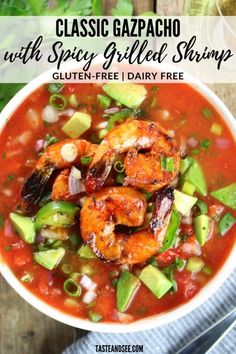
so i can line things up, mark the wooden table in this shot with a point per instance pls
(24, 330)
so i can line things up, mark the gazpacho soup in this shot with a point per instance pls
(117, 200)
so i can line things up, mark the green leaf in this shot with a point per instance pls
(123, 8)
(97, 8)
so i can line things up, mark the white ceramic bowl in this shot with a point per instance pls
(150, 322)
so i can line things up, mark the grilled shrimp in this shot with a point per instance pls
(145, 144)
(105, 211)
(58, 156)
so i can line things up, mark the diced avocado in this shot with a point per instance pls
(49, 259)
(126, 287)
(104, 101)
(183, 202)
(77, 125)
(226, 195)
(194, 264)
(86, 252)
(130, 95)
(188, 188)
(201, 227)
(155, 280)
(24, 226)
(195, 176)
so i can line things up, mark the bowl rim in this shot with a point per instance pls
(149, 322)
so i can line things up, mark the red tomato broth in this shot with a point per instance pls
(181, 101)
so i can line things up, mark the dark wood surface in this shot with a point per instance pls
(24, 330)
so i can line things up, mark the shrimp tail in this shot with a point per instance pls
(163, 203)
(98, 172)
(34, 188)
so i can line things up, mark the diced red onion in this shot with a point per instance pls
(40, 238)
(124, 267)
(192, 142)
(187, 220)
(76, 185)
(25, 137)
(7, 192)
(121, 317)
(33, 118)
(8, 229)
(50, 114)
(89, 297)
(39, 145)
(223, 144)
(55, 234)
(191, 248)
(68, 112)
(111, 110)
(87, 283)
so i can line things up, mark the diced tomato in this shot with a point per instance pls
(187, 229)
(22, 256)
(215, 210)
(185, 285)
(166, 258)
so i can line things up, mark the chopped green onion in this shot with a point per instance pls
(94, 316)
(54, 87)
(119, 166)
(171, 232)
(207, 112)
(125, 113)
(49, 140)
(207, 270)
(104, 101)
(67, 268)
(202, 206)
(72, 288)
(167, 164)
(147, 195)
(188, 188)
(102, 133)
(179, 263)
(120, 178)
(73, 100)
(58, 101)
(226, 223)
(184, 164)
(86, 160)
(2, 222)
(26, 278)
(205, 143)
(216, 129)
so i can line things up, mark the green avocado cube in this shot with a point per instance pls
(77, 125)
(130, 95)
(226, 195)
(126, 288)
(86, 252)
(155, 280)
(49, 259)
(195, 176)
(24, 226)
(201, 228)
(183, 203)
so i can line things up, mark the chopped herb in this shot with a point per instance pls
(26, 278)
(49, 140)
(207, 112)
(74, 239)
(119, 166)
(195, 151)
(46, 124)
(120, 178)
(167, 164)
(152, 260)
(169, 271)
(9, 179)
(147, 195)
(86, 160)
(4, 155)
(94, 138)
(205, 143)
(207, 270)
(150, 207)
(202, 207)
(155, 88)
(8, 248)
(2, 222)
(115, 282)
(113, 273)
(94, 316)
